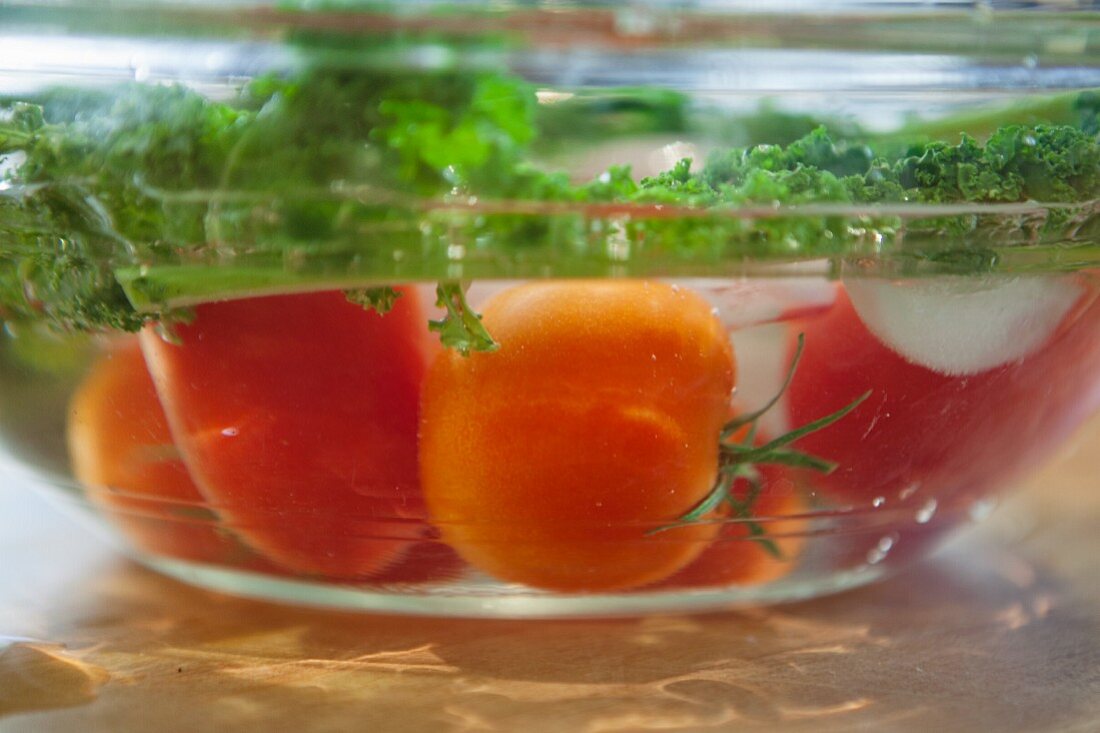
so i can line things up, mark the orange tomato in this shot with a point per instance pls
(550, 461)
(122, 453)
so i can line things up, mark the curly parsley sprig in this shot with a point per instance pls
(118, 207)
(461, 329)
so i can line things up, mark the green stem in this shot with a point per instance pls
(738, 460)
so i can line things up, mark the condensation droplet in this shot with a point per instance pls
(926, 512)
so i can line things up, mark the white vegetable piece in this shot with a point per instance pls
(961, 325)
(763, 360)
(746, 302)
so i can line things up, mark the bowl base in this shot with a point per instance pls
(467, 600)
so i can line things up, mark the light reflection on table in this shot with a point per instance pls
(983, 637)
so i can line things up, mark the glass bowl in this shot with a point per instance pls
(545, 308)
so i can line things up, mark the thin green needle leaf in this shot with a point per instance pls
(760, 536)
(813, 427)
(709, 504)
(790, 458)
(718, 494)
(750, 438)
(738, 459)
(738, 422)
(756, 530)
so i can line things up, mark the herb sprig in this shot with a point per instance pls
(118, 208)
(461, 329)
(739, 457)
(381, 298)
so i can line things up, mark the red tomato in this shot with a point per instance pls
(297, 416)
(550, 461)
(122, 453)
(930, 435)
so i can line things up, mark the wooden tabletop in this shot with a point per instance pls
(999, 632)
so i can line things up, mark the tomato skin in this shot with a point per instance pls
(297, 416)
(930, 435)
(550, 461)
(122, 453)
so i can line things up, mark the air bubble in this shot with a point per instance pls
(926, 512)
(879, 552)
(231, 432)
(909, 490)
(878, 501)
